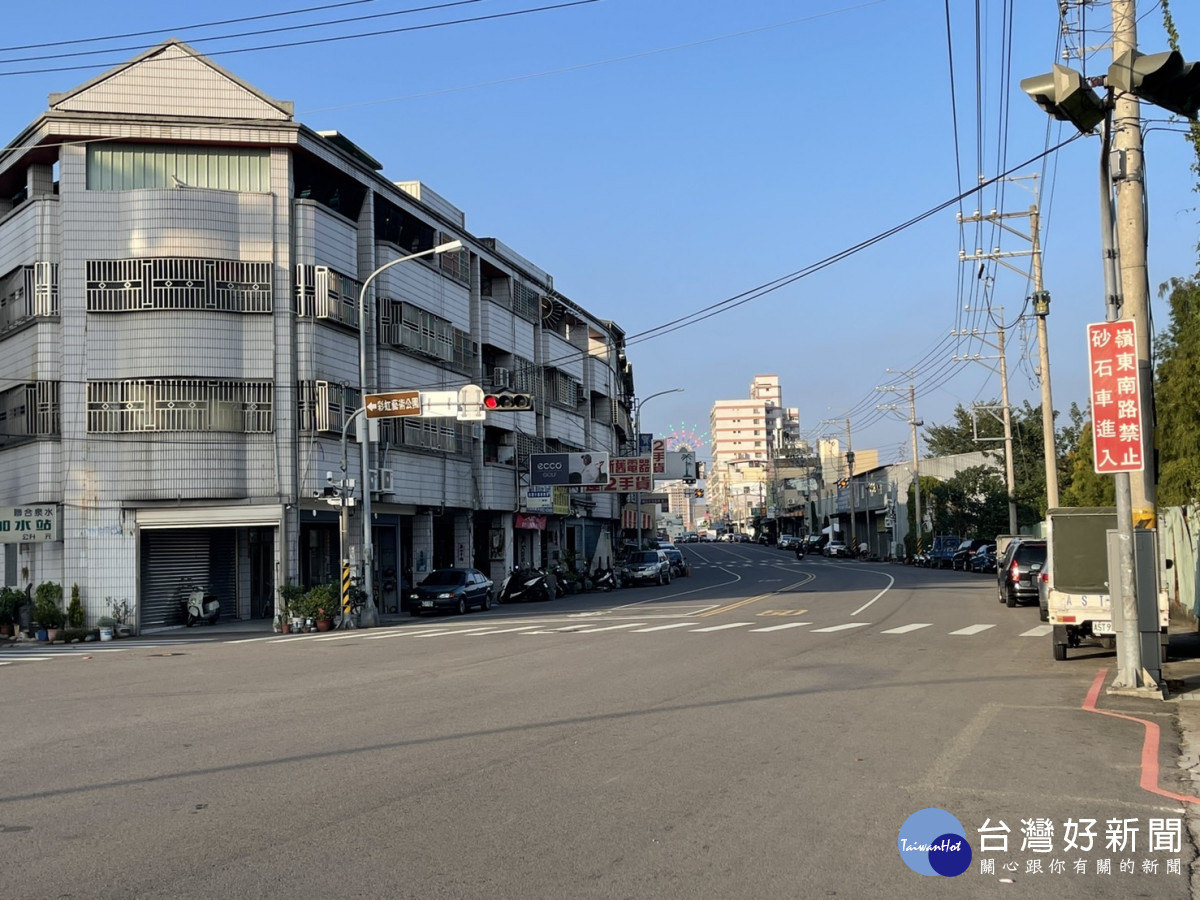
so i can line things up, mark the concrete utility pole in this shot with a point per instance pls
(1010, 472)
(916, 468)
(1041, 309)
(1129, 178)
(850, 487)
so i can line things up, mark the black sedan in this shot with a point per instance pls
(454, 589)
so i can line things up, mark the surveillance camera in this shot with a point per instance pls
(316, 495)
(329, 476)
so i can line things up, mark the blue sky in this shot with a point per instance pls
(659, 156)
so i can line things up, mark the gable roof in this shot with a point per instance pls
(172, 79)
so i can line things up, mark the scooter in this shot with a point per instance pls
(200, 606)
(524, 584)
(607, 580)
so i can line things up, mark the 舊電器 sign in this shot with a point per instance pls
(568, 468)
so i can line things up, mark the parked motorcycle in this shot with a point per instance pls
(607, 580)
(200, 606)
(525, 584)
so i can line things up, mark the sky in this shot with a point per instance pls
(660, 158)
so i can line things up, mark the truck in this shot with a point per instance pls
(941, 553)
(1076, 577)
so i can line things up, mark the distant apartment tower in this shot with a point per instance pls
(747, 437)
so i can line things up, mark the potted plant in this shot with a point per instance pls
(290, 598)
(47, 609)
(75, 614)
(324, 601)
(10, 600)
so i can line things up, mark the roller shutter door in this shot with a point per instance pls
(175, 559)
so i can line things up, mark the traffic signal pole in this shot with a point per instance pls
(1129, 182)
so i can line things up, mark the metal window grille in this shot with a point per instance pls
(30, 410)
(407, 326)
(28, 291)
(526, 301)
(523, 375)
(455, 263)
(324, 293)
(221, 285)
(179, 404)
(326, 406)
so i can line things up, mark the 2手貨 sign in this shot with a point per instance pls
(1115, 397)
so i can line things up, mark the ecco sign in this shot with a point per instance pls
(568, 468)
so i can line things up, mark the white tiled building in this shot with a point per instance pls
(180, 270)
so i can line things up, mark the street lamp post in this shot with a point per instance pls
(638, 440)
(850, 484)
(369, 613)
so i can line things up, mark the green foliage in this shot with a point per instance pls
(1084, 487)
(120, 610)
(47, 605)
(10, 600)
(75, 615)
(291, 595)
(1178, 352)
(317, 602)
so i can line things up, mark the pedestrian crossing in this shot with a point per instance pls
(593, 627)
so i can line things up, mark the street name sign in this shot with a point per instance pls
(393, 403)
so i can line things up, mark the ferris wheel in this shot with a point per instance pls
(688, 436)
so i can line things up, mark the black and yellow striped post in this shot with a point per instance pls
(345, 590)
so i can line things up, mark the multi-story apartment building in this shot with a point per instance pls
(748, 438)
(183, 270)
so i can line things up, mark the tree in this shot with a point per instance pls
(1177, 412)
(1084, 486)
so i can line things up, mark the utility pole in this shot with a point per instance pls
(1129, 177)
(1041, 309)
(850, 486)
(1010, 473)
(916, 469)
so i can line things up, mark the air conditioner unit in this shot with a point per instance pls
(381, 481)
(501, 378)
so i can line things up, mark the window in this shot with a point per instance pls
(323, 293)
(29, 411)
(445, 435)
(179, 404)
(220, 285)
(28, 291)
(326, 406)
(409, 327)
(126, 167)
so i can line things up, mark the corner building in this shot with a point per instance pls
(180, 272)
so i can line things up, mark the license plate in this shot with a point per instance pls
(1102, 628)
(426, 603)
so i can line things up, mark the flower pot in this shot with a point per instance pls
(52, 634)
(106, 633)
(42, 635)
(286, 628)
(325, 624)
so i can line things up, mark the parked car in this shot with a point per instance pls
(454, 589)
(743, 538)
(836, 549)
(1043, 586)
(1016, 572)
(984, 559)
(787, 542)
(965, 552)
(815, 543)
(675, 555)
(649, 566)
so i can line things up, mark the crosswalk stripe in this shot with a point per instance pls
(840, 627)
(454, 631)
(610, 628)
(504, 630)
(905, 629)
(780, 627)
(664, 627)
(721, 627)
(1038, 631)
(973, 629)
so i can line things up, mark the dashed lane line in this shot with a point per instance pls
(905, 629)
(973, 629)
(779, 627)
(845, 627)
(721, 627)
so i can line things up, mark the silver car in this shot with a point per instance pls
(649, 566)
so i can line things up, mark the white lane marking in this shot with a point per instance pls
(840, 627)
(905, 629)
(343, 636)
(891, 581)
(721, 627)
(1038, 631)
(664, 627)
(656, 598)
(455, 631)
(505, 630)
(609, 628)
(781, 627)
(973, 629)
(396, 634)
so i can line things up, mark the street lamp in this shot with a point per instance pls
(637, 427)
(850, 484)
(369, 613)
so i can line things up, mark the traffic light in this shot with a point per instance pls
(1066, 95)
(507, 401)
(699, 492)
(1163, 79)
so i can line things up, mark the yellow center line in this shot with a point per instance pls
(748, 600)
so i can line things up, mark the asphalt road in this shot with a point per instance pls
(761, 729)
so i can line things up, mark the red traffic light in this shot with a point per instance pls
(508, 401)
